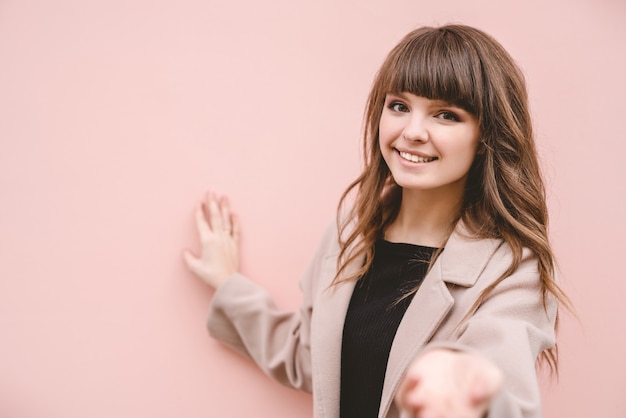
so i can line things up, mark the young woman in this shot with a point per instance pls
(434, 295)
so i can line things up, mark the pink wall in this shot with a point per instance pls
(115, 116)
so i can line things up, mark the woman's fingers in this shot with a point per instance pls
(486, 384)
(220, 218)
(193, 263)
(407, 387)
(213, 212)
(201, 224)
(235, 228)
(225, 215)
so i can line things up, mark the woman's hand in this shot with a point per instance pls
(219, 239)
(449, 384)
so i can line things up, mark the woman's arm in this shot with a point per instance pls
(243, 315)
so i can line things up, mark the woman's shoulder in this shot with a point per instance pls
(465, 238)
(330, 242)
(466, 251)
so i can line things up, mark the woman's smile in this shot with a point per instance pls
(415, 158)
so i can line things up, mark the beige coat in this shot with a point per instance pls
(303, 349)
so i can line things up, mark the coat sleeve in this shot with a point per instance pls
(511, 327)
(244, 316)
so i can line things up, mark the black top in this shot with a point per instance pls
(373, 317)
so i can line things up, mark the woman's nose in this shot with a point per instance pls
(416, 129)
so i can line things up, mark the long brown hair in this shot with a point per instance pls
(504, 196)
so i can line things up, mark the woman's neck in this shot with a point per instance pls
(424, 218)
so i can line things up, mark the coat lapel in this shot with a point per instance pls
(461, 263)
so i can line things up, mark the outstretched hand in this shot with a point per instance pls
(449, 384)
(219, 240)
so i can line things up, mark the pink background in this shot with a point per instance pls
(117, 115)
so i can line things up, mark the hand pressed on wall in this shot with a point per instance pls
(444, 383)
(218, 229)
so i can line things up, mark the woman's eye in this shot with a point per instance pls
(448, 116)
(398, 107)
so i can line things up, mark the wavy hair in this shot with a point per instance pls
(504, 196)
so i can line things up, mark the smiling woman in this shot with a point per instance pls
(434, 294)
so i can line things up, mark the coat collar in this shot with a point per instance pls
(464, 257)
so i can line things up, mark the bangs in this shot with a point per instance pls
(438, 65)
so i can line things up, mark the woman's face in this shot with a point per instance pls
(427, 144)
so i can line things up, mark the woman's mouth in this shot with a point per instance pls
(415, 158)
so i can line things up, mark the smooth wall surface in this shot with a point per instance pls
(116, 116)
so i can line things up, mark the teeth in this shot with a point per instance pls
(416, 158)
